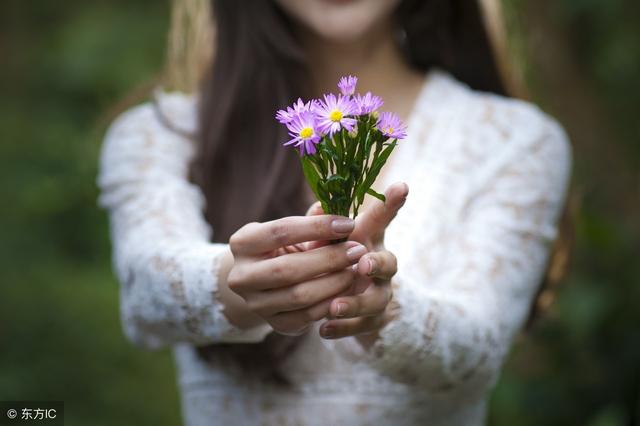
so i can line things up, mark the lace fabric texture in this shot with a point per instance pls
(488, 177)
(161, 251)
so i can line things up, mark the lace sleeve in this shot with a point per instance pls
(162, 257)
(454, 328)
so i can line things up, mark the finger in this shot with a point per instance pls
(294, 268)
(336, 329)
(294, 248)
(315, 209)
(256, 238)
(376, 218)
(322, 309)
(380, 264)
(303, 295)
(362, 284)
(373, 301)
(301, 319)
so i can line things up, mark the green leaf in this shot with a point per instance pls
(340, 144)
(311, 174)
(336, 184)
(333, 178)
(329, 151)
(373, 172)
(382, 159)
(377, 195)
(360, 193)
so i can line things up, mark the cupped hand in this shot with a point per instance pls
(286, 282)
(368, 309)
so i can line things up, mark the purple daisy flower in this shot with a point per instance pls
(302, 129)
(285, 116)
(390, 125)
(368, 103)
(347, 85)
(332, 114)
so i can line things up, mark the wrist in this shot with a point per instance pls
(235, 307)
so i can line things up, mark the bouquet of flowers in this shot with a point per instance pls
(343, 143)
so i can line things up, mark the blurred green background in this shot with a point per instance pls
(65, 68)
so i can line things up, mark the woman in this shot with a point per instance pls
(221, 254)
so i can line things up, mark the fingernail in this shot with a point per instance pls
(341, 309)
(372, 267)
(328, 332)
(342, 226)
(356, 252)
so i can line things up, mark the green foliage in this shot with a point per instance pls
(342, 170)
(64, 64)
(579, 366)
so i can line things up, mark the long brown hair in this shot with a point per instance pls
(243, 171)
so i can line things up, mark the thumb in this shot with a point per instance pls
(375, 219)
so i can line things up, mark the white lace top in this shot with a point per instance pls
(488, 177)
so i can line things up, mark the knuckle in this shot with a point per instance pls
(335, 255)
(277, 270)
(393, 261)
(254, 305)
(279, 233)
(251, 304)
(239, 240)
(234, 279)
(322, 225)
(299, 296)
(386, 264)
(381, 299)
(235, 243)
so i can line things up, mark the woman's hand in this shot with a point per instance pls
(368, 310)
(287, 283)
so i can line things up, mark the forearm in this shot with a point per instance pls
(432, 341)
(163, 258)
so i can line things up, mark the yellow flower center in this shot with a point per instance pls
(390, 130)
(306, 133)
(335, 115)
